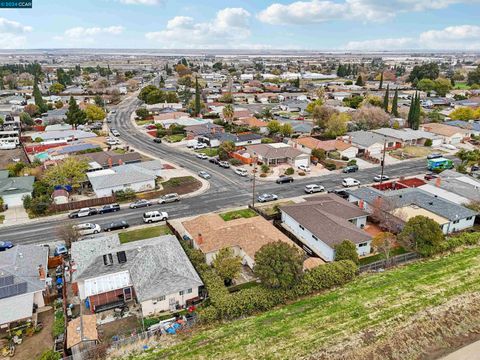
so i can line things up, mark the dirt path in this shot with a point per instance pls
(32, 347)
(470, 352)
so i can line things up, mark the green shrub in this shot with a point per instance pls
(59, 323)
(125, 195)
(428, 142)
(352, 162)
(459, 240)
(235, 162)
(289, 171)
(330, 166)
(265, 168)
(334, 155)
(344, 158)
(301, 173)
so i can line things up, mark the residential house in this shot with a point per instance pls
(82, 335)
(307, 144)
(244, 139)
(324, 221)
(23, 283)
(61, 136)
(369, 143)
(406, 203)
(193, 131)
(156, 273)
(408, 137)
(449, 134)
(472, 126)
(276, 154)
(107, 159)
(9, 139)
(253, 122)
(293, 106)
(455, 187)
(210, 233)
(14, 189)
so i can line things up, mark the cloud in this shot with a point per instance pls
(317, 11)
(12, 34)
(229, 26)
(82, 35)
(461, 37)
(141, 2)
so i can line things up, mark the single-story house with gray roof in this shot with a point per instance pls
(14, 189)
(154, 272)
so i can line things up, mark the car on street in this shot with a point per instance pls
(214, 160)
(340, 192)
(140, 204)
(109, 119)
(350, 169)
(434, 156)
(348, 182)
(204, 175)
(5, 245)
(304, 168)
(154, 216)
(113, 112)
(241, 172)
(114, 132)
(150, 127)
(87, 228)
(224, 164)
(157, 140)
(116, 225)
(201, 156)
(267, 197)
(379, 178)
(112, 141)
(96, 126)
(82, 213)
(314, 188)
(284, 179)
(200, 146)
(430, 176)
(169, 198)
(109, 208)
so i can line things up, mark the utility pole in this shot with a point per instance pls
(254, 175)
(383, 159)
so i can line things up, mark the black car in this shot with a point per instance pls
(5, 245)
(284, 179)
(116, 225)
(109, 208)
(340, 192)
(350, 169)
(157, 140)
(214, 160)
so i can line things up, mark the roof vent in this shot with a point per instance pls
(121, 257)
(108, 259)
(430, 203)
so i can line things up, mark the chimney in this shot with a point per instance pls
(199, 239)
(41, 272)
(110, 162)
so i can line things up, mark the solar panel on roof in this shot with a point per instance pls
(13, 290)
(6, 280)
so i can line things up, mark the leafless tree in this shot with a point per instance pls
(68, 233)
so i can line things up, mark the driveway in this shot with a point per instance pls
(14, 215)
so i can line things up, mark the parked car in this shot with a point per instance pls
(200, 146)
(350, 169)
(140, 203)
(304, 168)
(348, 182)
(241, 172)
(113, 111)
(109, 119)
(214, 160)
(96, 126)
(5, 245)
(154, 216)
(157, 140)
(449, 146)
(168, 198)
(340, 192)
(474, 168)
(201, 156)
(267, 197)
(434, 156)
(204, 175)
(284, 179)
(313, 188)
(150, 127)
(115, 132)
(82, 213)
(379, 178)
(112, 142)
(224, 164)
(87, 228)
(109, 208)
(60, 249)
(116, 225)
(430, 176)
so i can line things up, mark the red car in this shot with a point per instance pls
(150, 127)
(430, 176)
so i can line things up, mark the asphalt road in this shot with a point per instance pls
(226, 188)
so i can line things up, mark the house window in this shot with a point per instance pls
(189, 291)
(456, 221)
(161, 298)
(469, 218)
(181, 293)
(362, 244)
(301, 227)
(314, 237)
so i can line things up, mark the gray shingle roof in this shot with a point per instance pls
(366, 138)
(157, 266)
(124, 174)
(16, 185)
(414, 196)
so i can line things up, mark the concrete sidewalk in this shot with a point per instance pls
(469, 352)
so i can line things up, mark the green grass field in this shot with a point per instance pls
(242, 213)
(209, 152)
(461, 86)
(144, 233)
(298, 329)
(368, 260)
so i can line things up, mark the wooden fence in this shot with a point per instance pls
(82, 203)
(393, 261)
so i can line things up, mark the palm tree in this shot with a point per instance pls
(228, 112)
(266, 113)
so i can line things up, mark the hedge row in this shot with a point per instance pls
(462, 239)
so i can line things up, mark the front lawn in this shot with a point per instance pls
(174, 138)
(144, 233)
(2, 219)
(374, 303)
(181, 185)
(413, 152)
(209, 152)
(237, 214)
(370, 259)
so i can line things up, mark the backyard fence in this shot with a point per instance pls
(82, 204)
(393, 261)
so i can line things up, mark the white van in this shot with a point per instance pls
(154, 216)
(87, 228)
(348, 182)
(241, 171)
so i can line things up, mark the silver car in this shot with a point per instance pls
(168, 198)
(204, 175)
(267, 197)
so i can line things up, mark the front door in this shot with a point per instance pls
(127, 294)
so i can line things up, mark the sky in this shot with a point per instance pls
(381, 25)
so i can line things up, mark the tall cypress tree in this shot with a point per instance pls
(197, 98)
(416, 113)
(395, 104)
(410, 112)
(380, 87)
(385, 99)
(75, 115)
(37, 95)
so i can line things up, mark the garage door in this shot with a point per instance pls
(302, 161)
(375, 150)
(14, 199)
(456, 140)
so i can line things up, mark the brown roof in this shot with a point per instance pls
(83, 328)
(171, 115)
(252, 121)
(327, 217)
(271, 152)
(248, 234)
(327, 145)
(442, 129)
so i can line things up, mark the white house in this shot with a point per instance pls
(277, 154)
(156, 273)
(324, 221)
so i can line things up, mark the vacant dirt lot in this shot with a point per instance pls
(6, 157)
(32, 347)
